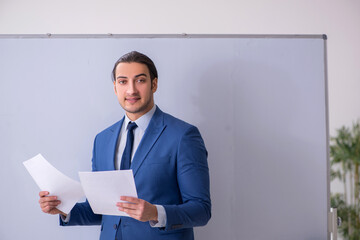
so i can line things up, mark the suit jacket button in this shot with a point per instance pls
(115, 226)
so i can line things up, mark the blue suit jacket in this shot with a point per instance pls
(170, 169)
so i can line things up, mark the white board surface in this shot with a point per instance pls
(259, 102)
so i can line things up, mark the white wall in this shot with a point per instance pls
(338, 19)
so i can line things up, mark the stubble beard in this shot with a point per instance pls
(142, 108)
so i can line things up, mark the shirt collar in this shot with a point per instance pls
(143, 121)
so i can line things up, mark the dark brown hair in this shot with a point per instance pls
(136, 57)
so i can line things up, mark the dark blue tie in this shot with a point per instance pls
(126, 157)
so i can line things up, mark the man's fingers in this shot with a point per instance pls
(130, 199)
(48, 204)
(50, 210)
(52, 204)
(47, 209)
(127, 205)
(136, 214)
(48, 199)
(137, 208)
(43, 193)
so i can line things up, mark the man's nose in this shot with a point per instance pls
(131, 88)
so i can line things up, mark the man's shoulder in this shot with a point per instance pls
(176, 123)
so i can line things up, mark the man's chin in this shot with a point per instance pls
(131, 110)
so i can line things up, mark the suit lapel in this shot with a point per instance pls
(113, 144)
(152, 133)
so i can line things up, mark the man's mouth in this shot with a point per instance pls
(132, 99)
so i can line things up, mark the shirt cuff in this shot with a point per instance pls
(161, 222)
(65, 219)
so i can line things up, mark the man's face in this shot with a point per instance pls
(134, 89)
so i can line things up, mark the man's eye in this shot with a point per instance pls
(141, 80)
(121, 81)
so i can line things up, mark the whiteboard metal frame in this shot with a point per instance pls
(185, 35)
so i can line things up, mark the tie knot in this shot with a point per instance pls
(131, 126)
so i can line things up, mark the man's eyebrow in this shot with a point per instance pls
(141, 74)
(138, 75)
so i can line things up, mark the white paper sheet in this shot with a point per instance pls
(48, 178)
(104, 189)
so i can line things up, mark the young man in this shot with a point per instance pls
(168, 158)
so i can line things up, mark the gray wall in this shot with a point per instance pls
(260, 104)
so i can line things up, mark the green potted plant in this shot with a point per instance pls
(345, 166)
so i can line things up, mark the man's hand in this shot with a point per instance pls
(138, 209)
(48, 204)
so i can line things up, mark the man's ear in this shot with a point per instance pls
(114, 86)
(154, 83)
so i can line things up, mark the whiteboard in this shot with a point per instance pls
(260, 103)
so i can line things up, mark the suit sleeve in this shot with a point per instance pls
(82, 214)
(194, 184)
